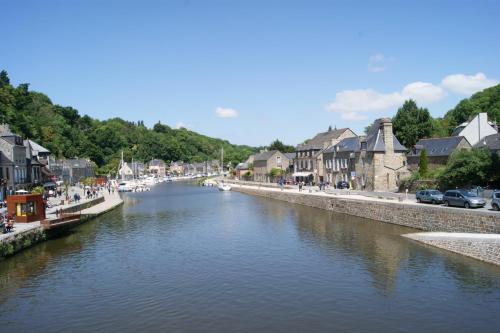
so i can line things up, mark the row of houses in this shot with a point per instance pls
(376, 161)
(206, 167)
(25, 164)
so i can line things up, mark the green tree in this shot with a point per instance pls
(423, 168)
(4, 79)
(468, 167)
(278, 145)
(412, 123)
(487, 101)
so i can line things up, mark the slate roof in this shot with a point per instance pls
(290, 156)
(36, 147)
(157, 162)
(264, 156)
(242, 166)
(438, 146)
(317, 142)
(375, 138)
(492, 142)
(77, 163)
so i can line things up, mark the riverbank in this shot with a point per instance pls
(406, 213)
(26, 235)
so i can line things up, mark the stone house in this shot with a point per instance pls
(339, 160)
(241, 170)
(76, 169)
(438, 150)
(13, 162)
(157, 168)
(126, 172)
(383, 164)
(376, 162)
(308, 162)
(176, 168)
(265, 161)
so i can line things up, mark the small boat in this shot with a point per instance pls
(224, 187)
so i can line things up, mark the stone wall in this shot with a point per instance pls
(19, 241)
(483, 248)
(423, 217)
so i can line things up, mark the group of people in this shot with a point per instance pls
(7, 222)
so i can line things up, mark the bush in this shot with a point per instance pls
(468, 167)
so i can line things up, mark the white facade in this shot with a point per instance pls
(477, 129)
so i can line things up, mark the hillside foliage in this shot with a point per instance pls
(66, 133)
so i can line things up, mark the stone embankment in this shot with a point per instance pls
(485, 247)
(406, 213)
(28, 234)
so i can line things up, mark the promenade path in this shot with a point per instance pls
(400, 198)
(111, 201)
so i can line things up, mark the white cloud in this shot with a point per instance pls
(354, 116)
(378, 63)
(467, 84)
(363, 100)
(351, 103)
(226, 112)
(180, 125)
(423, 92)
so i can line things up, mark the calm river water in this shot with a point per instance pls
(182, 258)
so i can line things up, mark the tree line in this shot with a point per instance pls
(66, 133)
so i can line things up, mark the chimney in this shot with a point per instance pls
(386, 125)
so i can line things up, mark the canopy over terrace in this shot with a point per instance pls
(303, 176)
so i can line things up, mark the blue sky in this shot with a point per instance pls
(252, 71)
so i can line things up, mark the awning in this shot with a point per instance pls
(302, 174)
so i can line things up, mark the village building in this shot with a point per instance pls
(266, 161)
(476, 129)
(339, 160)
(157, 168)
(13, 162)
(308, 162)
(125, 172)
(138, 169)
(490, 142)
(376, 162)
(438, 150)
(176, 168)
(243, 171)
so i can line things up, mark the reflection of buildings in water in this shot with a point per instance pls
(278, 212)
(379, 244)
(30, 263)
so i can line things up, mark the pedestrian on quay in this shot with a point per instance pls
(300, 186)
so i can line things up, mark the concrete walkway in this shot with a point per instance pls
(111, 201)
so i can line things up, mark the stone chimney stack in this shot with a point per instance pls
(386, 125)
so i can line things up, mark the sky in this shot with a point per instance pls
(252, 71)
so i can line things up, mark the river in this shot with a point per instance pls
(184, 258)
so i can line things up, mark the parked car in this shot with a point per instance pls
(462, 198)
(432, 196)
(342, 184)
(495, 200)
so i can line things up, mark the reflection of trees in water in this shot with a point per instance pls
(475, 277)
(378, 244)
(33, 262)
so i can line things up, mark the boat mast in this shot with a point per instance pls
(222, 159)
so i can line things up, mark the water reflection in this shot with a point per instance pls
(185, 258)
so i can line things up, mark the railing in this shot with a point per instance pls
(62, 219)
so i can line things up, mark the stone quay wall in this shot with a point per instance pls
(485, 248)
(423, 217)
(20, 241)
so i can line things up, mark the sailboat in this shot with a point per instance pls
(222, 186)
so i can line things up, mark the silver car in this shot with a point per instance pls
(432, 196)
(463, 198)
(495, 200)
